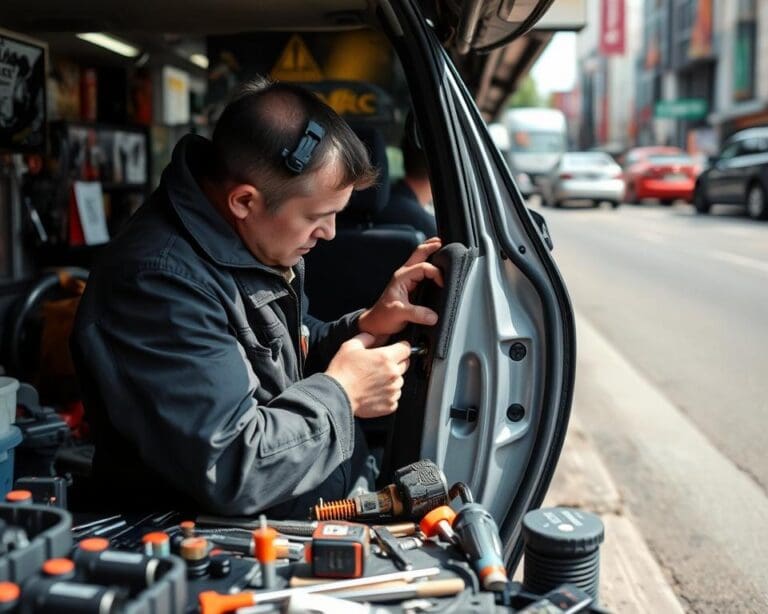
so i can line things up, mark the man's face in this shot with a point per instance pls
(282, 237)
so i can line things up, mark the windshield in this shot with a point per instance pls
(537, 142)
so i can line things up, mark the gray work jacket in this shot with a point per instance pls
(188, 350)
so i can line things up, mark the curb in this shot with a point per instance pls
(630, 578)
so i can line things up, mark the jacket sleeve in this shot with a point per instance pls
(325, 338)
(178, 385)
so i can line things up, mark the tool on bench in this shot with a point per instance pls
(212, 602)
(391, 547)
(439, 522)
(339, 550)
(266, 552)
(478, 537)
(417, 489)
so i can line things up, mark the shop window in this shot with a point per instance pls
(744, 52)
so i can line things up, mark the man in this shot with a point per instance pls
(207, 384)
(410, 199)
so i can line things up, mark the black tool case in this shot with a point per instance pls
(48, 531)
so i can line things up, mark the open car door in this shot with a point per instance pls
(490, 400)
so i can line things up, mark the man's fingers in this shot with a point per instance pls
(398, 352)
(416, 273)
(421, 315)
(424, 251)
(361, 341)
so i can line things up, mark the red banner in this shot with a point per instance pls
(612, 29)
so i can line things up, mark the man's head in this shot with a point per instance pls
(281, 214)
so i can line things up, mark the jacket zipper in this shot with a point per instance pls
(297, 343)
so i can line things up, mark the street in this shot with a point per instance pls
(671, 384)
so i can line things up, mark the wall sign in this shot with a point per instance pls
(22, 93)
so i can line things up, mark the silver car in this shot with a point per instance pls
(584, 175)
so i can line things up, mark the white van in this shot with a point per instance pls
(537, 139)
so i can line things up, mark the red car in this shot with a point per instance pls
(665, 173)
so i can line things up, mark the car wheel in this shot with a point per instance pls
(615, 204)
(557, 204)
(666, 202)
(757, 207)
(700, 200)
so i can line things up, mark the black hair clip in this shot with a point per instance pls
(299, 158)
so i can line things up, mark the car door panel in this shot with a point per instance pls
(499, 385)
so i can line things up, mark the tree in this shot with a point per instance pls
(526, 95)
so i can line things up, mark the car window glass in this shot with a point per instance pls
(670, 159)
(731, 150)
(586, 160)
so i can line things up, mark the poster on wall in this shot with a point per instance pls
(22, 93)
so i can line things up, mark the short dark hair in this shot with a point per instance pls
(263, 119)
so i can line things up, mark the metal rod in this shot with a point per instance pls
(328, 587)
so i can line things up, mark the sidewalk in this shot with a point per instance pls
(630, 579)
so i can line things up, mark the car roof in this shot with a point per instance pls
(748, 133)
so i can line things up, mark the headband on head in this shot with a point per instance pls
(299, 158)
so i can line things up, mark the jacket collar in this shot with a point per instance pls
(204, 223)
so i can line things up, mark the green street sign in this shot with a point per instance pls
(682, 108)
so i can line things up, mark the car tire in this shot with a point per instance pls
(666, 202)
(700, 201)
(757, 204)
(615, 204)
(557, 204)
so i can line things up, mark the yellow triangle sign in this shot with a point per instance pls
(296, 63)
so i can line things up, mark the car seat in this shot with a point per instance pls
(351, 271)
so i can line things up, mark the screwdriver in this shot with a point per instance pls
(212, 602)
(478, 537)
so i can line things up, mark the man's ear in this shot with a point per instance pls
(244, 200)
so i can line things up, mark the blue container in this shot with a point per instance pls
(8, 441)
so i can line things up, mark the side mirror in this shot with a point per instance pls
(712, 160)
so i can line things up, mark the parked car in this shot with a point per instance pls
(664, 173)
(738, 175)
(584, 175)
(537, 139)
(490, 397)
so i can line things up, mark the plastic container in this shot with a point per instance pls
(8, 441)
(8, 389)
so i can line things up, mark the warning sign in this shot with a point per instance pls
(296, 63)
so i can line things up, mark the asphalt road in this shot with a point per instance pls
(681, 301)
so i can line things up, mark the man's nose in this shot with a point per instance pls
(327, 229)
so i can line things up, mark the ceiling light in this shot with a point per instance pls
(109, 42)
(199, 59)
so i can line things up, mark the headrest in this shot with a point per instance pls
(364, 205)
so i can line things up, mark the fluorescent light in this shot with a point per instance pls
(199, 59)
(109, 42)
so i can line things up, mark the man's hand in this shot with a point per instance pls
(394, 310)
(371, 377)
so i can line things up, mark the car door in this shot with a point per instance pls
(722, 178)
(490, 401)
(747, 166)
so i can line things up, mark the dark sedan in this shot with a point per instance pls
(738, 175)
